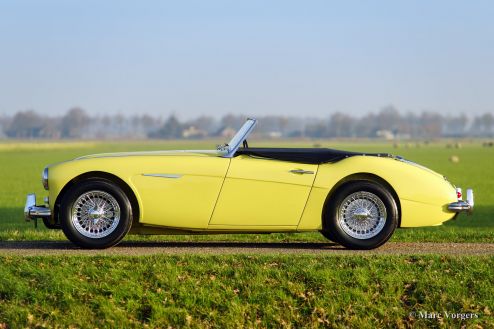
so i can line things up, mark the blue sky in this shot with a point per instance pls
(305, 58)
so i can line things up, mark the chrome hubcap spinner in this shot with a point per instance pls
(362, 215)
(95, 214)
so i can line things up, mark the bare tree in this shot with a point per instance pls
(171, 129)
(25, 124)
(341, 125)
(389, 118)
(74, 123)
(455, 126)
(431, 124)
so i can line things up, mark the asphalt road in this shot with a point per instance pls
(35, 248)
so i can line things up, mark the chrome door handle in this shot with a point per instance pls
(301, 171)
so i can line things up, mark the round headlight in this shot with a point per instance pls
(44, 178)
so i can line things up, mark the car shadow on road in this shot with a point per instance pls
(66, 245)
(229, 244)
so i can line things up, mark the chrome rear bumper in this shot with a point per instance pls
(461, 205)
(32, 211)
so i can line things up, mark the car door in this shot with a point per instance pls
(262, 193)
(179, 191)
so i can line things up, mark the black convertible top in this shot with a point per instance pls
(304, 155)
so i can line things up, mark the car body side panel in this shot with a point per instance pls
(424, 214)
(312, 216)
(186, 201)
(262, 193)
(423, 194)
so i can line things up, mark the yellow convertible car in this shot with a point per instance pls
(355, 199)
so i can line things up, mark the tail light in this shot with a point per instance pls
(458, 193)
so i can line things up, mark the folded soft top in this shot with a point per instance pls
(304, 155)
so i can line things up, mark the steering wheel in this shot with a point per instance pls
(245, 144)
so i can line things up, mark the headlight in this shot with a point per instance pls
(44, 178)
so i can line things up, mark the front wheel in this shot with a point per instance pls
(95, 214)
(361, 215)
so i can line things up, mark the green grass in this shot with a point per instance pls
(244, 291)
(22, 162)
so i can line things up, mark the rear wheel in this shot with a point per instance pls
(361, 215)
(95, 214)
(330, 235)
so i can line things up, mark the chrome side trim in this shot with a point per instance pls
(163, 175)
(32, 211)
(154, 153)
(301, 171)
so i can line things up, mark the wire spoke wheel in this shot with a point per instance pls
(95, 214)
(362, 215)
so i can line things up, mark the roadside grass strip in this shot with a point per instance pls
(230, 291)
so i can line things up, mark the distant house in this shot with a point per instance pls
(227, 132)
(274, 134)
(193, 132)
(386, 134)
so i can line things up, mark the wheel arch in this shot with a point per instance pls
(361, 177)
(101, 175)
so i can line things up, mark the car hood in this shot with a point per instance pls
(153, 153)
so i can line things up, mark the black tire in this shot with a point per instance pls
(49, 225)
(87, 234)
(380, 221)
(329, 234)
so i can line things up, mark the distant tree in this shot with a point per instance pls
(232, 121)
(455, 126)
(488, 119)
(4, 124)
(483, 125)
(205, 123)
(316, 130)
(293, 127)
(367, 126)
(106, 120)
(341, 125)
(119, 121)
(25, 124)
(389, 119)
(268, 124)
(412, 124)
(172, 128)
(74, 123)
(147, 120)
(430, 124)
(51, 128)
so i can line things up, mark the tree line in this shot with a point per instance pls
(387, 123)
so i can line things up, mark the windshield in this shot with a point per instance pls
(240, 136)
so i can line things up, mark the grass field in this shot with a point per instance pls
(246, 291)
(241, 290)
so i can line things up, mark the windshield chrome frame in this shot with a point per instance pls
(240, 136)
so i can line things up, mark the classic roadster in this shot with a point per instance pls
(354, 199)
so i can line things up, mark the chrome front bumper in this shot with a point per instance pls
(461, 205)
(32, 211)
